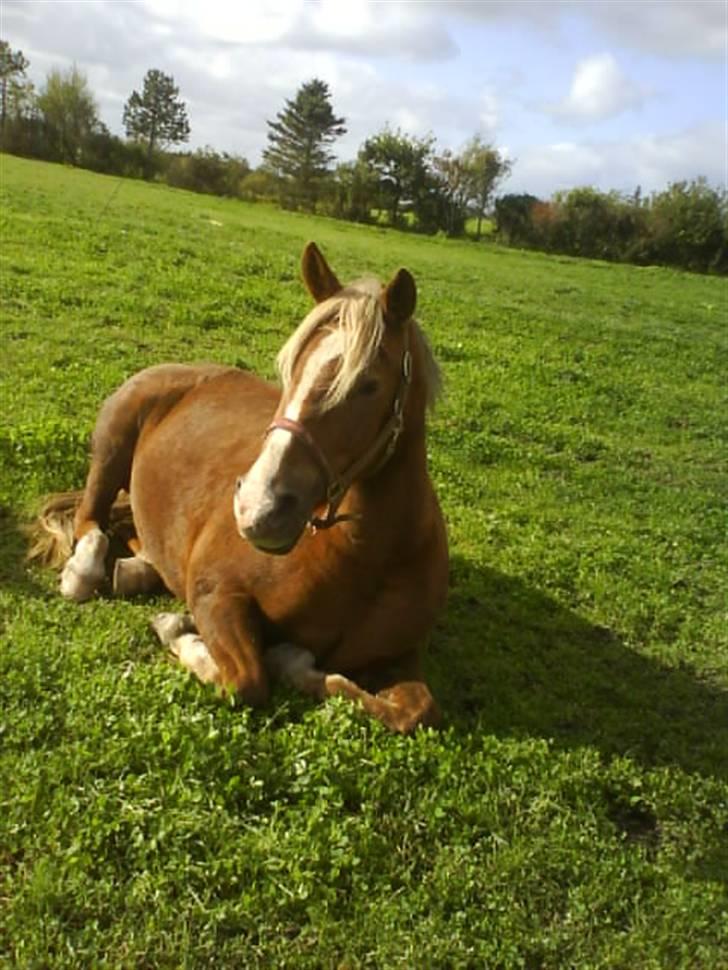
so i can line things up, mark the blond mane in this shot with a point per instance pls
(356, 313)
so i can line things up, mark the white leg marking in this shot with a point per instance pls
(192, 653)
(85, 571)
(177, 631)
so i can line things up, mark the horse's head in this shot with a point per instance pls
(345, 374)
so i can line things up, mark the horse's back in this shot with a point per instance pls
(188, 457)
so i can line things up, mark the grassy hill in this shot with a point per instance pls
(574, 810)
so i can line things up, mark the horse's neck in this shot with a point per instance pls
(394, 499)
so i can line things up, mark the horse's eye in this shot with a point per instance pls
(368, 387)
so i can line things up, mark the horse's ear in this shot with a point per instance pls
(400, 297)
(318, 276)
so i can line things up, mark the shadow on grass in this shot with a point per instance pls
(15, 575)
(511, 661)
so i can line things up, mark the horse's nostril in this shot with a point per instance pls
(238, 484)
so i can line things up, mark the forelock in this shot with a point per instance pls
(357, 313)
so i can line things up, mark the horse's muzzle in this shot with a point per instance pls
(273, 525)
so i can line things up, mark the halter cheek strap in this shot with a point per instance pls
(374, 458)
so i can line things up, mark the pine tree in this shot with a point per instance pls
(299, 141)
(156, 116)
(13, 65)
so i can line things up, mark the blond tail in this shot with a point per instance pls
(51, 535)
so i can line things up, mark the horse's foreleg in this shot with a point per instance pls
(112, 449)
(229, 626)
(403, 707)
(402, 704)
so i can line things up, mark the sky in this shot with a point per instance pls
(609, 93)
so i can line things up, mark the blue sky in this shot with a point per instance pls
(612, 93)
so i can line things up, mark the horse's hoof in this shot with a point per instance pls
(134, 576)
(76, 586)
(170, 626)
(85, 570)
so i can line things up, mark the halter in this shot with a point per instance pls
(385, 443)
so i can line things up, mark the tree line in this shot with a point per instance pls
(396, 179)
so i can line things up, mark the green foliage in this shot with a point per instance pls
(686, 225)
(513, 218)
(260, 186)
(111, 155)
(69, 113)
(157, 117)
(475, 174)
(572, 813)
(205, 170)
(401, 164)
(353, 192)
(299, 143)
(13, 65)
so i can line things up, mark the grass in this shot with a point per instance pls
(574, 810)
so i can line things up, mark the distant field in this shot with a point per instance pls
(574, 810)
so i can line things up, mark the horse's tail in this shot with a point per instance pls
(51, 534)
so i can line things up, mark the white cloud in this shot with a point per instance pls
(422, 29)
(489, 115)
(651, 161)
(361, 27)
(676, 28)
(234, 23)
(599, 90)
(235, 63)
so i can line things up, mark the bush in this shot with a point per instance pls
(514, 218)
(259, 186)
(106, 153)
(688, 227)
(205, 170)
(685, 226)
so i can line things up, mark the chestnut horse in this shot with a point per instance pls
(299, 524)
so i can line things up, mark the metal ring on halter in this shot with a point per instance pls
(407, 365)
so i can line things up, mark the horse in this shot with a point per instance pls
(298, 522)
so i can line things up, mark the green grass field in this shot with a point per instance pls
(573, 812)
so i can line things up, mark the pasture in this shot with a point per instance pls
(573, 810)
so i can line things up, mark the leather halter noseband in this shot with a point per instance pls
(374, 458)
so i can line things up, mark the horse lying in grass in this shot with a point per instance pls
(299, 525)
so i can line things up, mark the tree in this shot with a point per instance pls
(156, 117)
(354, 191)
(13, 65)
(402, 165)
(299, 141)
(514, 218)
(483, 168)
(69, 112)
(688, 226)
(455, 191)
